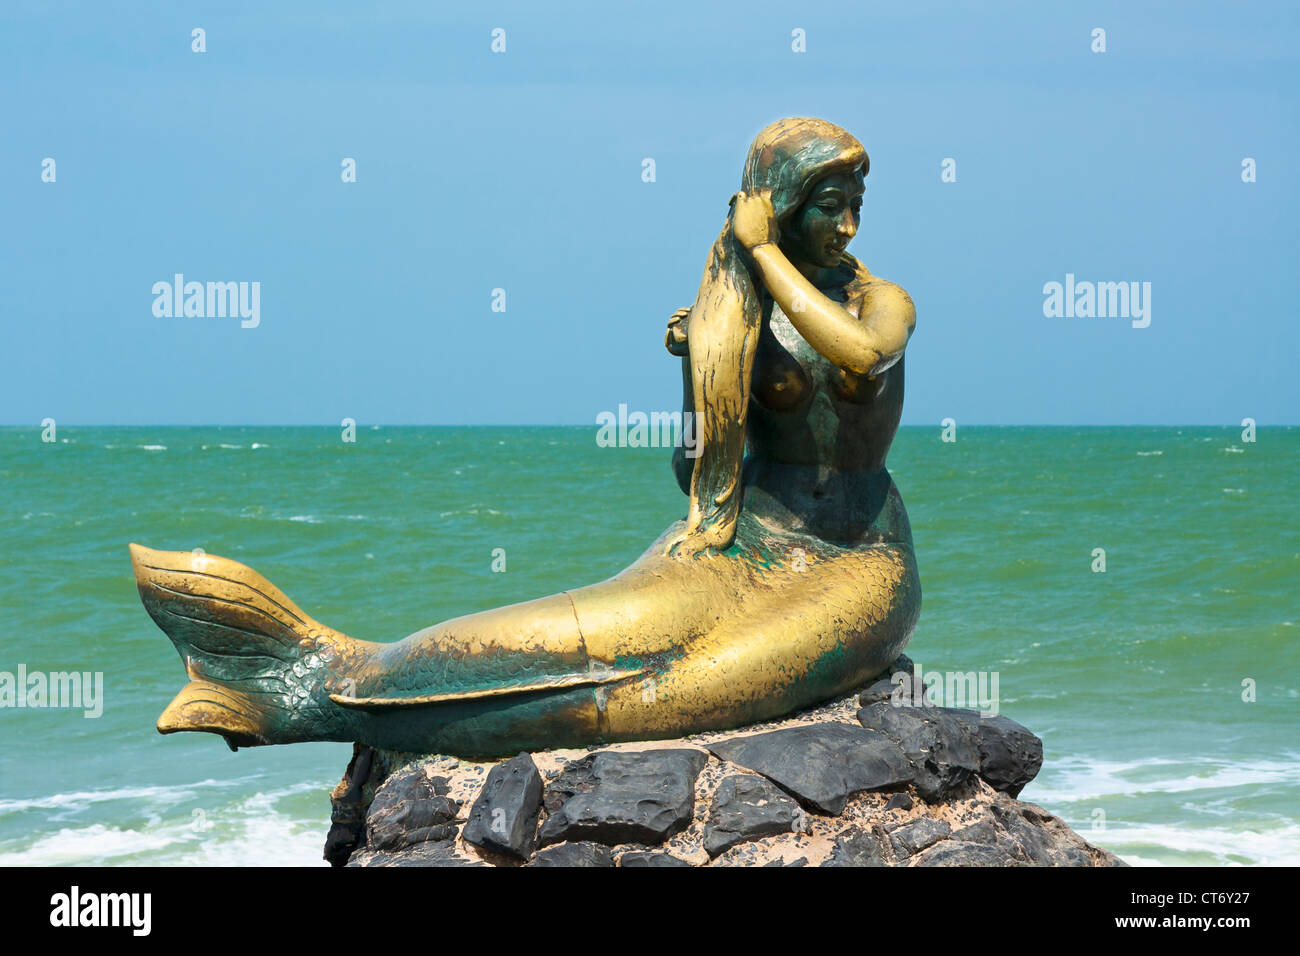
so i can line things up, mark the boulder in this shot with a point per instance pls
(747, 808)
(411, 807)
(616, 797)
(857, 847)
(1010, 754)
(957, 853)
(581, 854)
(504, 817)
(947, 745)
(428, 853)
(942, 752)
(916, 835)
(821, 765)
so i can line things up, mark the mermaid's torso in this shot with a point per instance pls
(817, 441)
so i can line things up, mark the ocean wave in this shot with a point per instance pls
(1079, 779)
(1274, 846)
(251, 831)
(81, 799)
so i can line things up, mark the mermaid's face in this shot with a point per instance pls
(821, 228)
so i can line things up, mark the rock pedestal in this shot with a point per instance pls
(877, 779)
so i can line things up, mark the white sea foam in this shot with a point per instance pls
(86, 846)
(81, 799)
(1073, 788)
(251, 831)
(1072, 780)
(1144, 454)
(1275, 846)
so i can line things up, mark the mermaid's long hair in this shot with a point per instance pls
(787, 157)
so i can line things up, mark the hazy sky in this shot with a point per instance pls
(522, 171)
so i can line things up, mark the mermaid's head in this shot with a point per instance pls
(815, 171)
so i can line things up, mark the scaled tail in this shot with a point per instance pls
(256, 661)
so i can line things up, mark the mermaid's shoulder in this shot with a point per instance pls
(886, 296)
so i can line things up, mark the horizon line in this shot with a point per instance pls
(939, 424)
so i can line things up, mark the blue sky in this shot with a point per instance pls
(522, 171)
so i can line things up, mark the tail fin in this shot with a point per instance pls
(243, 641)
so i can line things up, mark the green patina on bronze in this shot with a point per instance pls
(789, 580)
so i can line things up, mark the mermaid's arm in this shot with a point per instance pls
(865, 344)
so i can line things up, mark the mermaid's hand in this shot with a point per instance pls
(675, 340)
(753, 218)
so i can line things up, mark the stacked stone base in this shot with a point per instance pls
(867, 781)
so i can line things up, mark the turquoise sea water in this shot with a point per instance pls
(1132, 677)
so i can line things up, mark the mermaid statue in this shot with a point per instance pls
(790, 581)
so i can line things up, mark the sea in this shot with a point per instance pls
(1132, 590)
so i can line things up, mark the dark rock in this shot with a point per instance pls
(821, 765)
(573, 854)
(747, 808)
(916, 835)
(900, 801)
(802, 861)
(410, 808)
(1073, 856)
(957, 853)
(878, 693)
(1031, 841)
(428, 853)
(981, 831)
(637, 858)
(939, 744)
(857, 848)
(504, 817)
(1010, 755)
(902, 663)
(348, 807)
(900, 689)
(612, 797)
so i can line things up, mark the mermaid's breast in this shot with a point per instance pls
(781, 383)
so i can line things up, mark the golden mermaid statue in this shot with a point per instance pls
(790, 581)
